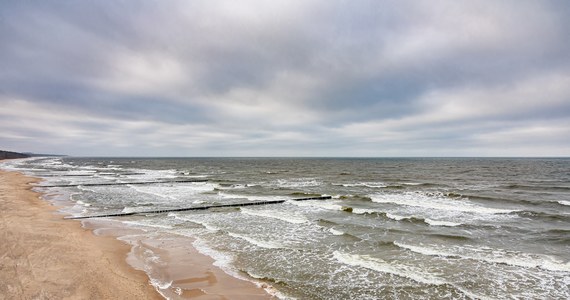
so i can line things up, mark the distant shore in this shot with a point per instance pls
(12, 155)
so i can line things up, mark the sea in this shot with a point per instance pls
(393, 228)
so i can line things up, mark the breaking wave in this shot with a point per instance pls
(382, 266)
(276, 214)
(497, 256)
(436, 202)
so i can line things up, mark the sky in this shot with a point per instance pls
(355, 78)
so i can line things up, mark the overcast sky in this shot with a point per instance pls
(285, 78)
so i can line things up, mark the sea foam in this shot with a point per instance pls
(317, 204)
(382, 266)
(259, 243)
(430, 202)
(335, 232)
(441, 223)
(498, 256)
(276, 214)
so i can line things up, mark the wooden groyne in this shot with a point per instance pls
(123, 183)
(87, 175)
(66, 175)
(204, 207)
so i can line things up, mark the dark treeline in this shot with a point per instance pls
(9, 155)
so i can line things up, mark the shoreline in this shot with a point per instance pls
(43, 255)
(175, 267)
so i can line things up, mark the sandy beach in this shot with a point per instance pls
(43, 256)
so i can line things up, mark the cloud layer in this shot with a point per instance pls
(286, 78)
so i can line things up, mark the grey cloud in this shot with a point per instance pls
(324, 75)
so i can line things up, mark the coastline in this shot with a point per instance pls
(176, 268)
(42, 255)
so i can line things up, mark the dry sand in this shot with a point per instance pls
(43, 256)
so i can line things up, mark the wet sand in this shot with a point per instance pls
(43, 256)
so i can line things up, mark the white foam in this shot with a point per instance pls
(531, 261)
(268, 288)
(513, 258)
(317, 204)
(197, 176)
(82, 188)
(178, 291)
(266, 198)
(83, 203)
(208, 226)
(335, 232)
(433, 202)
(237, 186)
(362, 211)
(296, 183)
(223, 261)
(382, 266)
(396, 217)
(143, 258)
(159, 285)
(129, 209)
(365, 184)
(276, 214)
(154, 191)
(425, 250)
(155, 174)
(150, 256)
(175, 192)
(567, 203)
(135, 223)
(175, 216)
(222, 195)
(262, 244)
(441, 223)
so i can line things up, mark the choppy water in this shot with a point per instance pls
(395, 228)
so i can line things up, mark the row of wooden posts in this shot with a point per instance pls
(158, 211)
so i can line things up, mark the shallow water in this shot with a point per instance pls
(428, 228)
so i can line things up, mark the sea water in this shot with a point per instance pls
(395, 228)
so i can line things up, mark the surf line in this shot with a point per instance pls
(205, 207)
(123, 183)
